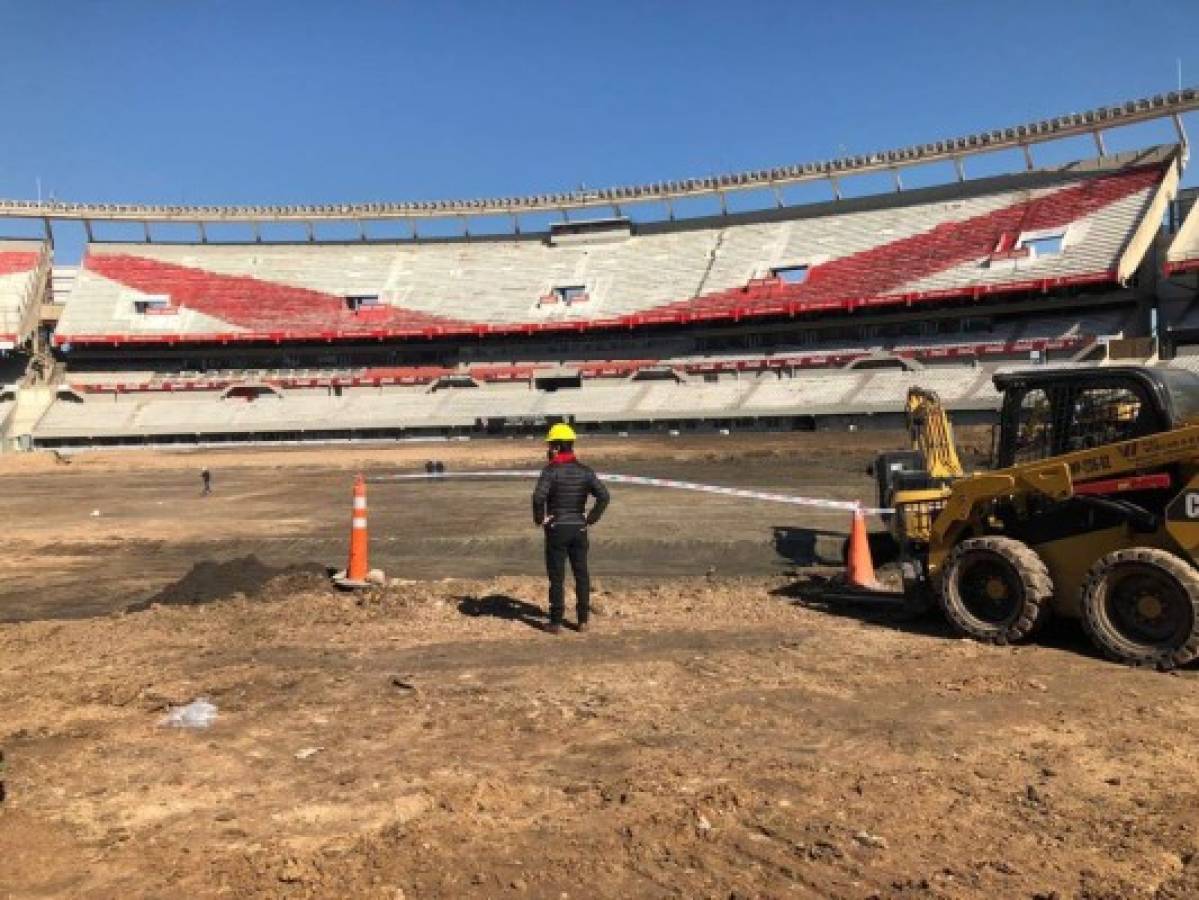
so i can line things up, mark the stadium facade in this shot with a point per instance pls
(783, 316)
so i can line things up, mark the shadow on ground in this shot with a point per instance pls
(1058, 633)
(827, 547)
(821, 594)
(501, 606)
(808, 546)
(210, 581)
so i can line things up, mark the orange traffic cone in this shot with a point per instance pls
(357, 567)
(859, 563)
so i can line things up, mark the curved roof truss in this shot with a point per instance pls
(1093, 122)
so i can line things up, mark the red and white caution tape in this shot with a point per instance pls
(611, 478)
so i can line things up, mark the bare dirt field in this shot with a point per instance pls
(714, 736)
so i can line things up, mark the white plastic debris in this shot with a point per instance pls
(307, 752)
(95, 513)
(197, 714)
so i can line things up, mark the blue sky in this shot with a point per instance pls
(216, 101)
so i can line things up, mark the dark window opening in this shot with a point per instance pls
(791, 274)
(558, 382)
(569, 294)
(1044, 245)
(155, 303)
(356, 302)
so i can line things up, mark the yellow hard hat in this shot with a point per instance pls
(560, 432)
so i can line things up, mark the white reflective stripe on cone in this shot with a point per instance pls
(359, 503)
(358, 523)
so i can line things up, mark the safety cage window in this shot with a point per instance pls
(1104, 414)
(1047, 420)
(1034, 427)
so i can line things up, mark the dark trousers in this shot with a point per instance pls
(564, 542)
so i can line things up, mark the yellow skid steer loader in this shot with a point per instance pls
(1091, 511)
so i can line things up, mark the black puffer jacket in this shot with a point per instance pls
(562, 492)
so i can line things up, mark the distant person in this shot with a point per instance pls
(560, 508)
(206, 480)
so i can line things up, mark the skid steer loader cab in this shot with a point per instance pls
(1061, 411)
(1091, 512)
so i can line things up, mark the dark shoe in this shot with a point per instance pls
(552, 627)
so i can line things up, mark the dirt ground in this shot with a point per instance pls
(716, 735)
(84, 537)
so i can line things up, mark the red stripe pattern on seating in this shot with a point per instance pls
(263, 311)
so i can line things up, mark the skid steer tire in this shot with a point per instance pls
(1140, 606)
(995, 589)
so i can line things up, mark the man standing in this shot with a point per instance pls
(206, 481)
(560, 508)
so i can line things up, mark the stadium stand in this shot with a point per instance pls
(1031, 232)
(1183, 254)
(1050, 336)
(790, 316)
(1178, 291)
(23, 270)
(396, 412)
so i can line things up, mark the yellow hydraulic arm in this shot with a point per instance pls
(931, 433)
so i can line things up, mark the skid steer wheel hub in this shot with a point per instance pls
(1141, 606)
(990, 590)
(997, 589)
(1149, 607)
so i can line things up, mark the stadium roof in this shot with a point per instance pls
(1093, 122)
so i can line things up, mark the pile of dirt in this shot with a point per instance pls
(210, 581)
